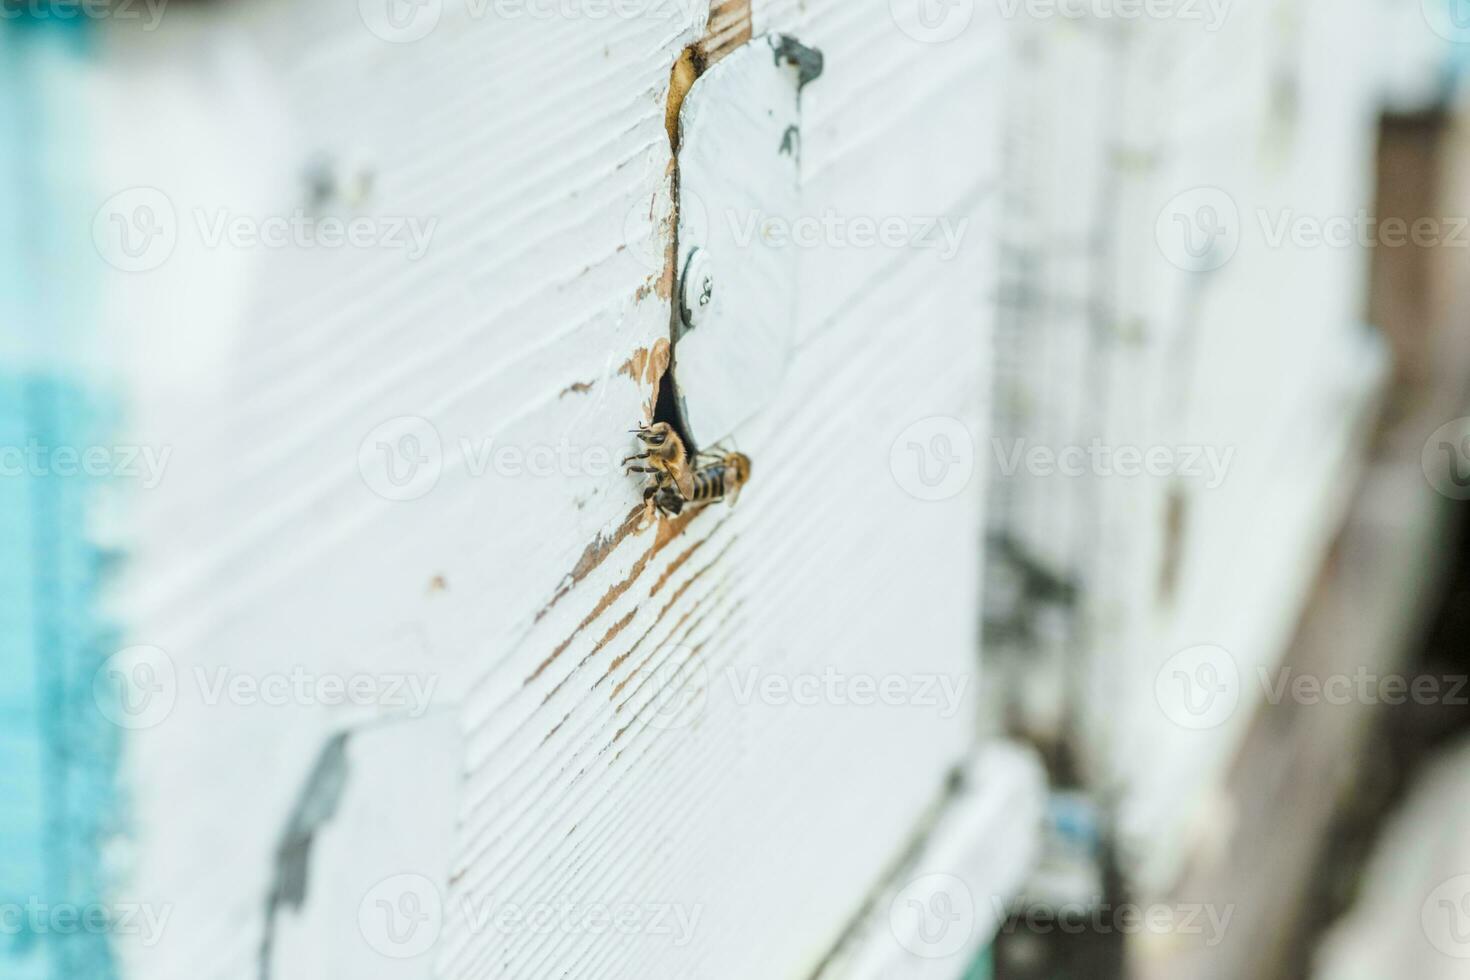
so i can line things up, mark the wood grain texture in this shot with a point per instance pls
(974, 855)
(557, 642)
(729, 28)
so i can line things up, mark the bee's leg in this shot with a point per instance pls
(643, 455)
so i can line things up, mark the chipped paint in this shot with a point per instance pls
(633, 366)
(577, 388)
(809, 62)
(686, 70)
(673, 601)
(675, 565)
(647, 367)
(656, 370)
(592, 556)
(315, 807)
(729, 28)
(791, 142)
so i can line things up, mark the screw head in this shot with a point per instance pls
(697, 288)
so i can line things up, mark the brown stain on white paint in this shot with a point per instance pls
(721, 629)
(633, 366)
(647, 367)
(673, 601)
(595, 553)
(686, 71)
(592, 556)
(729, 28)
(675, 565)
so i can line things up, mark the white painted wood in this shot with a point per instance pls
(951, 893)
(585, 683)
(578, 676)
(579, 680)
(1111, 332)
(1053, 280)
(1267, 355)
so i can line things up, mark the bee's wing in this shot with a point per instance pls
(720, 449)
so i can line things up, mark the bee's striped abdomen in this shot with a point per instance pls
(709, 483)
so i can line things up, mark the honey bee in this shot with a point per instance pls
(667, 460)
(720, 479)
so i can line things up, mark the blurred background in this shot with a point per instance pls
(1099, 605)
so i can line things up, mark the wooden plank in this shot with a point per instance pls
(948, 895)
(1248, 370)
(522, 602)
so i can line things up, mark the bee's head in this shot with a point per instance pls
(656, 435)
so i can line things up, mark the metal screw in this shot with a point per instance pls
(697, 290)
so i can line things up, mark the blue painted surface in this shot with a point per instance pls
(984, 966)
(1450, 19)
(58, 753)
